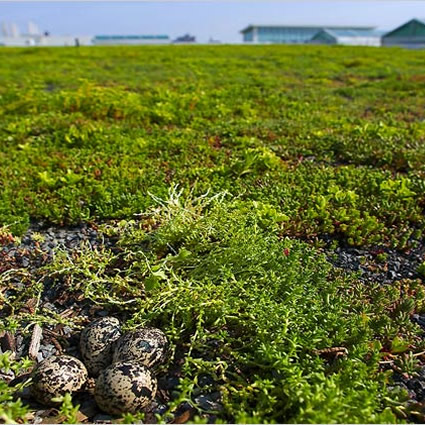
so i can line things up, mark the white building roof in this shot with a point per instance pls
(318, 27)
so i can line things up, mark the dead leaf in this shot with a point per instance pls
(184, 417)
(331, 353)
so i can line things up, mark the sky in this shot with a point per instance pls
(221, 20)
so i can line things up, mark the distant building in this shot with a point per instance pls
(347, 37)
(32, 29)
(12, 37)
(109, 40)
(65, 40)
(9, 29)
(410, 35)
(187, 38)
(13, 30)
(4, 29)
(289, 34)
(28, 40)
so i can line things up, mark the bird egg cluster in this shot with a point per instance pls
(121, 363)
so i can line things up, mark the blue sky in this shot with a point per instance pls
(221, 20)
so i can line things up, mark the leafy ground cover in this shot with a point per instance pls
(272, 149)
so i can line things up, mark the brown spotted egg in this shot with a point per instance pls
(125, 387)
(147, 346)
(96, 343)
(56, 376)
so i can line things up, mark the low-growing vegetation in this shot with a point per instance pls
(331, 137)
(217, 171)
(255, 312)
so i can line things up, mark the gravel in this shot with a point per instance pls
(383, 265)
(38, 246)
(378, 264)
(36, 249)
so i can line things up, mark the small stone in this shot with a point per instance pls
(50, 306)
(102, 419)
(205, 380)
(160, 409)
(205, 402)
(392, 274)
(7, 376)
(19, 345)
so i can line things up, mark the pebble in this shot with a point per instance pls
(47, 350)
(420, 320)
(159, 409)
(19, 345)
(397, 265)
(6, 376)
(101, 418)
(205, 380)
(34, 252)
(50, 306)
(208, 402)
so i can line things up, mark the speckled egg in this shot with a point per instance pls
(147, 346)
(125, 387)
(56, 376)
(96, 343)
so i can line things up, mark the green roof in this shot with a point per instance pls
(413, 28)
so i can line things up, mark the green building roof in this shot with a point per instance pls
(131, 37)
(411, 29)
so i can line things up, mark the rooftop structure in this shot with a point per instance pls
(348, 37)
(187, 38)
(290, 34)
(410, 35)
(130, 39)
